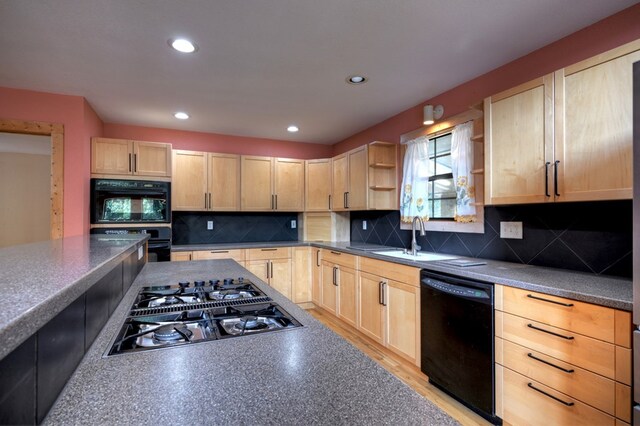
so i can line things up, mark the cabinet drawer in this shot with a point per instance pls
(340, 258)
(237, 255)
(524, 405)
(584, 318)
(269, 253)
(390, 270)
(573, 381)
(591, 354)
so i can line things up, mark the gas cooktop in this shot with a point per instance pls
(176, 315)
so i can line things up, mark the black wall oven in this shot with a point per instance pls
(120, 206)
(116, 201)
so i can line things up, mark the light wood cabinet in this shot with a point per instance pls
(347, 299)
(383, 176)
(317, 185)
(349, 183)
(272, 184)
(273, 266)
(339, 281)
(571, 130)
(126, 157)
(329, 290)
(181, 256)
(568, 359)
(205, 181)
(316, 276)
(236, 254)
(389, 310)
(301, 282)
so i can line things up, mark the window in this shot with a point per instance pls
(441, 201)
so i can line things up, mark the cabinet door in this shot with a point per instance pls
(329, 289)
(256, 183)
(358, 172)
(224, 182)
(301, 274)
(189, 181)
(317, 185)
(347, 300)
(288, 178)
(403, 320)
(372, 311)
(594, 126)
(280, 276)
(340, 182)
(519, 144)
(316, 277)
(259, 268)
(111, 156)
(151, 159)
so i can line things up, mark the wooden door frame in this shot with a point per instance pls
(56, 132)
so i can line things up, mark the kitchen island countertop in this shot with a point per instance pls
(610, 291)
(306, 375)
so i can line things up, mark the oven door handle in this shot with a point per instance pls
(159, 244)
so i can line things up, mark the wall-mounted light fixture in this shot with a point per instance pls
(431, 113)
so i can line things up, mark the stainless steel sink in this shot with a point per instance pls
(422, 256)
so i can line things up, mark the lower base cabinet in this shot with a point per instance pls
(273, 266)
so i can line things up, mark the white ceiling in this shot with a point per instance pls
(265, 64)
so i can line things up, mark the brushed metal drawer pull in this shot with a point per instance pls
(530, 355)
(568, 404)
(336, 252)
(550, 332)
(530, 296)
(219, 251)
(270, 249)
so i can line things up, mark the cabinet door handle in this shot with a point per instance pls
(267, 269)
(271, 201)
(209, 200)
(568, 404)
(344, 199)
(385, 286)
(271, 265)
(276, 197)
(135, 163)
(337, 276)
(329, 201)
(555, 178)
(546, 179)
(318, 258)
(205, 200)
(550, 332)
(531, 296)
(530, 355)
(347, 197)
(130, 166)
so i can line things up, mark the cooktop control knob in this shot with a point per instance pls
(228, 280)
(214, 282)
(240, 279)
(199, 283)
(183, 284)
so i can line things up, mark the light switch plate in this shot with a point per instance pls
(293, 224)
(511, 230)
(209, 225)
(364, 225)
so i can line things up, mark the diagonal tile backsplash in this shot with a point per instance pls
(593, 237)
(191, 227)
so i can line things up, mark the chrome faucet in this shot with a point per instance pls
(414, 244)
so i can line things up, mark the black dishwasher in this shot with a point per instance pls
(457, 339)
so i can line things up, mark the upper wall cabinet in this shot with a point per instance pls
(383, 176)
(564, 137)
(317, 194)
(269, 184)
(126, 157)
(205, 181)
(349, 188)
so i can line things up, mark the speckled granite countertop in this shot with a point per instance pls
(306, 375)
(599, 289)
(55, 273)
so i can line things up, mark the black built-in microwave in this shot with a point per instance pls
(116, 201)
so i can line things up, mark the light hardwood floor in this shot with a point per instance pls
(400, 368)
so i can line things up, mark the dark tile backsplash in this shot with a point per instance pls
(591, 237)
(191, 227)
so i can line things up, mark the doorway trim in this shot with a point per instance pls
(56, 132)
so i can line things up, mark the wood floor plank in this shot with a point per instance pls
(408, 373)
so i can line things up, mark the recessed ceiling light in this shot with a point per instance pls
(292, 129)
(356, 79)
(181, 115)
(183, 45)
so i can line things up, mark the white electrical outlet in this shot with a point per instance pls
(209, 225)
(293, 224)
(511, 230)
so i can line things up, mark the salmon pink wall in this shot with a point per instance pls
(604, 35)
(80, 122)
(213, 142)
